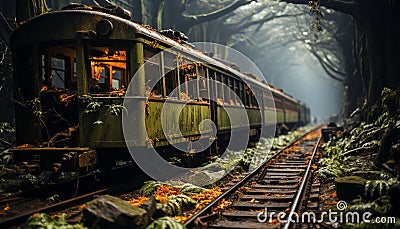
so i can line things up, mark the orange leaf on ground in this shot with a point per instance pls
(139, 201)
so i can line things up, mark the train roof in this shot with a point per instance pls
(64, 25)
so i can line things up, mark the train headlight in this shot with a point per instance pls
(104, 27)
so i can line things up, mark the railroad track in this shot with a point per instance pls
(23, 205)
(278, 185)
(268, 195)
(40, 206)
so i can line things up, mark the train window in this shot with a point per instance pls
(286, 104)
(54, 71)
(154, 82)
(265, 100)
(75, 76)
(269, 101)
(278, 102)
(226, 89)
(202, 83)
(184, 74)
(242, 93)
(171, 79)
(289, 105)
(192, 89)
(248, 95)
(149, 53)
(252, 100)
(57, 67)
(237, 92)
(171, 84)
(58, 73)
(117, 78)
(220, 94)
(232, 89)
(108, 70)
(188, 80)
(255, 95)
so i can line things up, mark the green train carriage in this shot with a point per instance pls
(71, 70)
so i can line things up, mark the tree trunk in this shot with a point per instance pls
(377, 48)
(26, 9)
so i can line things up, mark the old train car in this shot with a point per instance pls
(71, 70)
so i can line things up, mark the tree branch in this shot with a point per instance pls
(216, 14)
(265, 20)
(333, 73)
(159, 14)
(344, 6)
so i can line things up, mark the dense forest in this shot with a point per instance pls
(355, 42)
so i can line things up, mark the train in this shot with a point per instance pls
(71, 70)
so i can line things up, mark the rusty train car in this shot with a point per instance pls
(71, 70)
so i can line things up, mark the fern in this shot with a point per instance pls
(116, 109)
(93, 107)
(177, 204)
(191, 189)
(332, 167)
(165, 223)
(149, 188)
(377, 188)
(43, 220)
(6, 127)
(53, 199)
(380, 206)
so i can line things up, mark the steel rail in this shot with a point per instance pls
(60, 205)
(300, 194)
(243, 181)
(117, 184)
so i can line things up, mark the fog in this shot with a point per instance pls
(302, 77)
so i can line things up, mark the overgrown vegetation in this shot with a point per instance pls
(335, 163)
(165, 222)
(176, 205)
(94, 106)
(360, 150)
(177, 201)
(43, 220)
(7, 132)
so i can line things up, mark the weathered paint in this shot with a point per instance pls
(108, 132)
(254, 117)
(236, 120)
(291, 116)
(189, 118)
(269, 117)
(280, 116)
(137, 103)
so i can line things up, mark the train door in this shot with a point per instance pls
(58, 95)
(102, 87)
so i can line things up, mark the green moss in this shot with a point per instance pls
(350, 187)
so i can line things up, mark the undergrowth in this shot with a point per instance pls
(43, 220)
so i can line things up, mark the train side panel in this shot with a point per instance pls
(187, 124)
